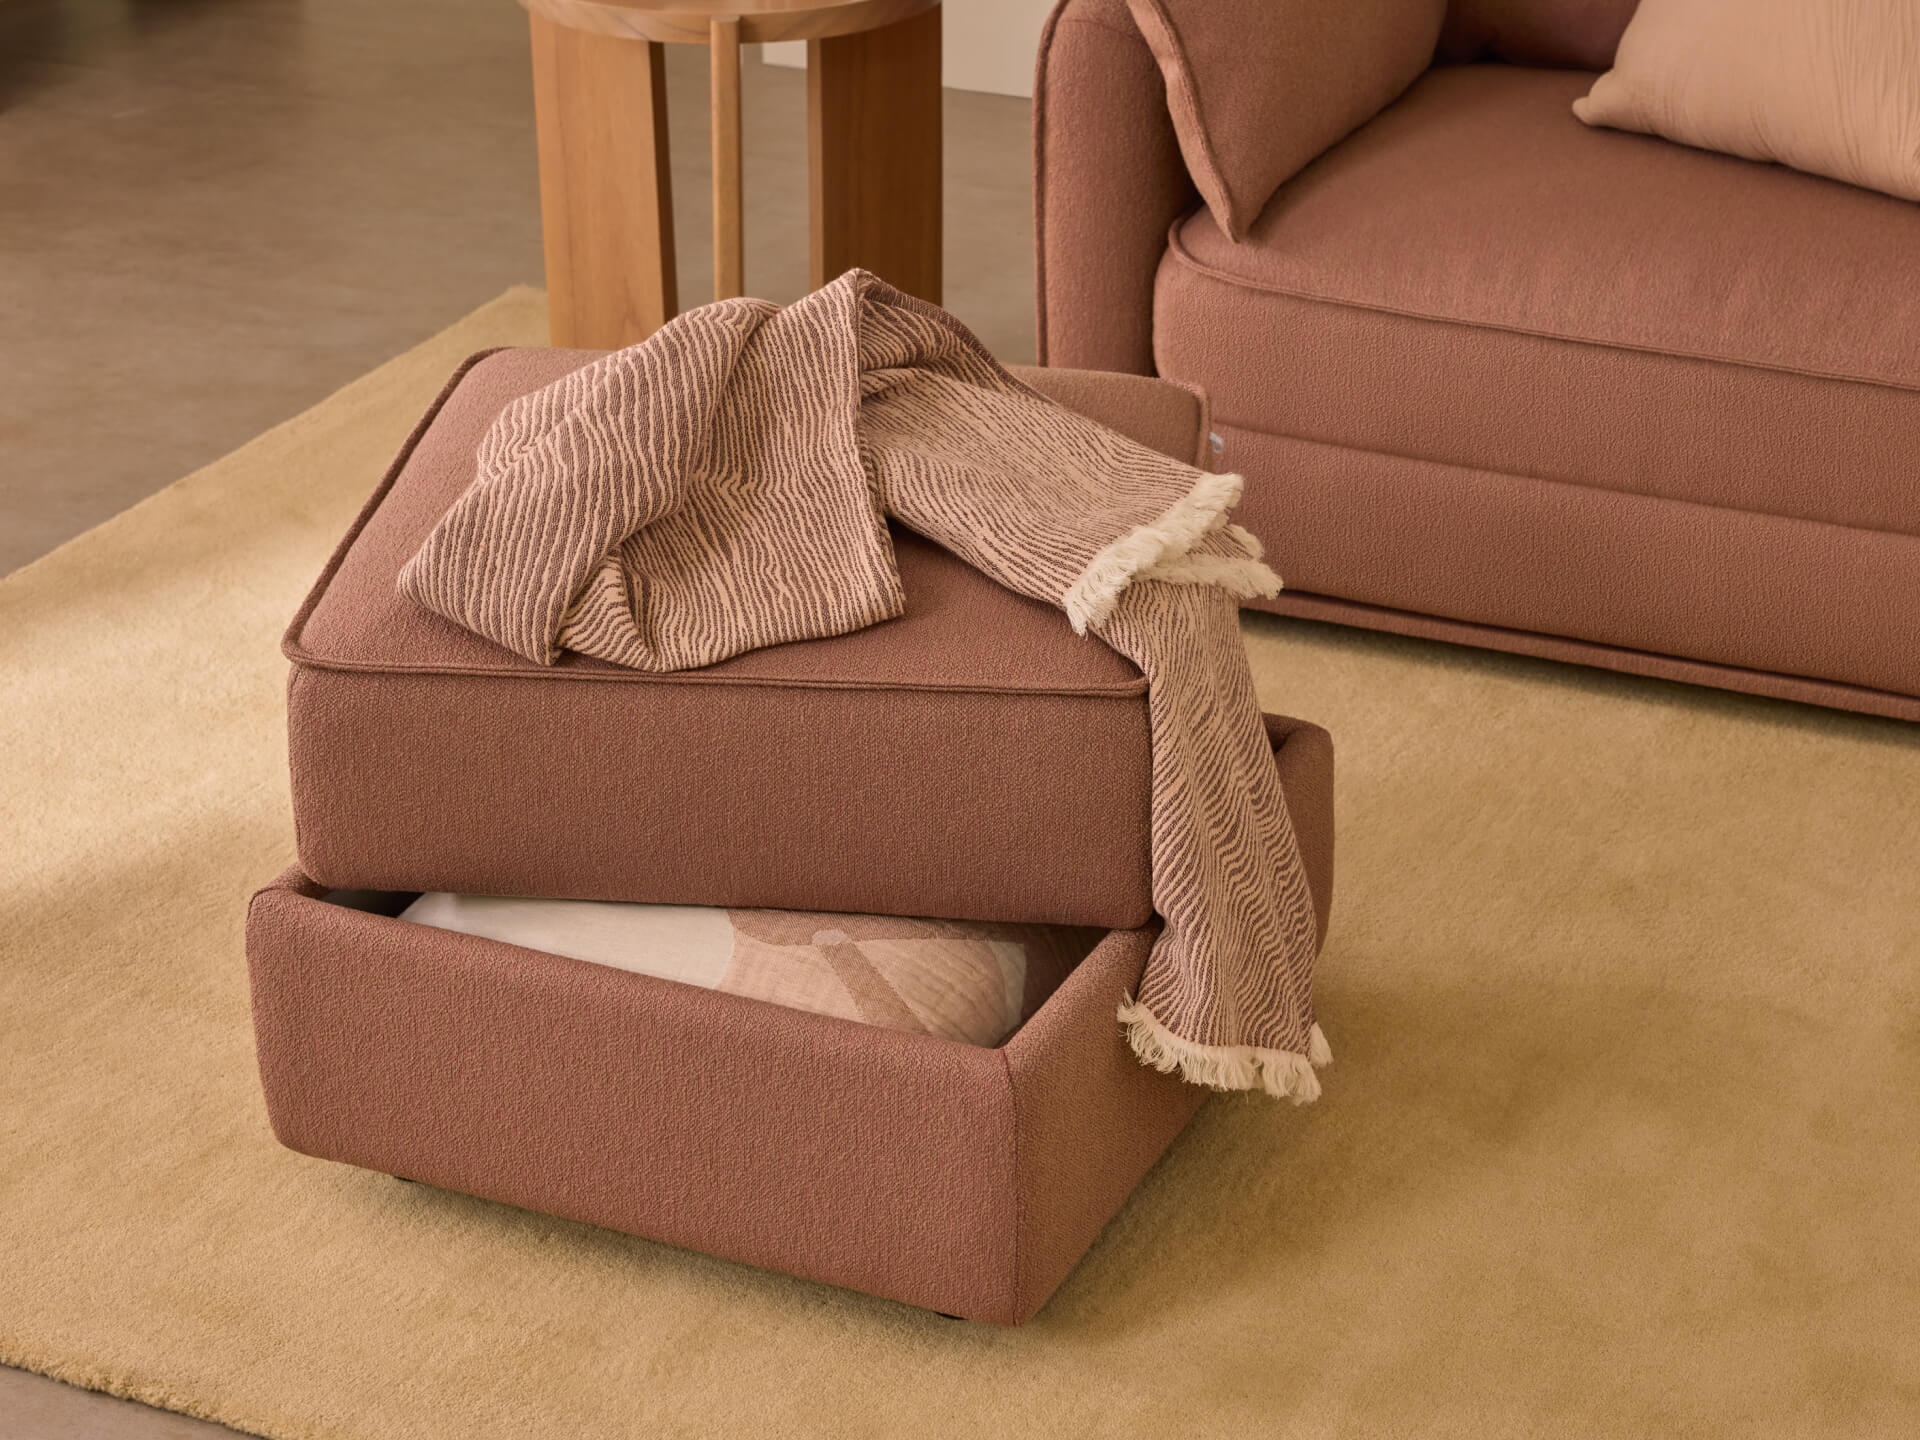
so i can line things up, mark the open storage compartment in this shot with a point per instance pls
(964, 1179)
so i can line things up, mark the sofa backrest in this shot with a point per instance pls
(1562, 34)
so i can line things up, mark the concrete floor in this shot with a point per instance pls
(34, 1408)
(213, 213)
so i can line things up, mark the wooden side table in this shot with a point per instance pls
(606, 200)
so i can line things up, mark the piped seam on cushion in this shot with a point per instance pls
(1596, 654)
(1178, 251)
(290, 642)
(1127, 690)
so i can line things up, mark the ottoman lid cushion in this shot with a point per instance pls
(972, 759)
(960, 631)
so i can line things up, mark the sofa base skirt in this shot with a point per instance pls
(1828, 693)
(1768, 604)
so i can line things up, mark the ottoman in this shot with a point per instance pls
(959, 1178)
(972, 759)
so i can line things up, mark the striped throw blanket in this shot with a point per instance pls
(725, 485)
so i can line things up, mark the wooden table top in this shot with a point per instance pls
(689, 22)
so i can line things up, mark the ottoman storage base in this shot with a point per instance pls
(962, 1179)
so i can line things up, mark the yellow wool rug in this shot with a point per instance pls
(1623, 1138)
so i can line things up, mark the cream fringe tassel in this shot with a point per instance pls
(1160, 552)
(1227, 1067)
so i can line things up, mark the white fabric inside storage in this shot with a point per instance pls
(966, 982)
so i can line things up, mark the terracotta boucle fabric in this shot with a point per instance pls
(1108, 179)
(1486, 204)
(724, 487)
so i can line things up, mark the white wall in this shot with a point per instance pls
(985, 45)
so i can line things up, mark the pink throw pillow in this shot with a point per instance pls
(1827, 86)
(1258, 88)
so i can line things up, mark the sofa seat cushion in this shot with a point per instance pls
(1476, 279)
(972, 759)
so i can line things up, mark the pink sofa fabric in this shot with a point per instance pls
(1581, 278)
(962, 1179)
(1567, 34)
(972, 760)
(1486, 204)
(1108, 181)
(1257, 88)
(1771, 684)
(1540, 387)
(1109, 175)
(1623, 574)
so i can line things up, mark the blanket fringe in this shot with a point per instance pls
(1242, 579)
(1227, 1067)
(1159, 551)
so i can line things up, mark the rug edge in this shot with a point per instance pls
(512, 295)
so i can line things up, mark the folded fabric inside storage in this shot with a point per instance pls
(974, 983)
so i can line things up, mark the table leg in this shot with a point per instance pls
(606, 196)
(729, 266)
(873, 131)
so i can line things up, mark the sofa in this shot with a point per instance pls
(1498, 378)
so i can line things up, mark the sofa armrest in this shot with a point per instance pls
(1165, 415)
(1108, 182)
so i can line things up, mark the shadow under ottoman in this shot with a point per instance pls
(963, 1179)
